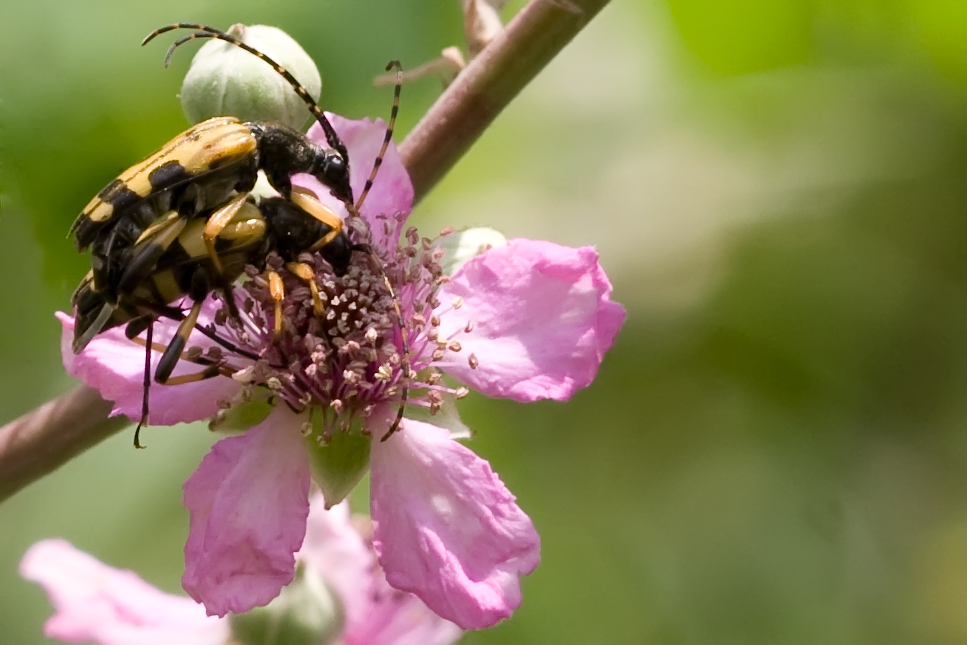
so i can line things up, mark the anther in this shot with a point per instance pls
(384, 373)
(244, 375)
(472, 361)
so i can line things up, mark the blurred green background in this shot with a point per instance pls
(775, 450)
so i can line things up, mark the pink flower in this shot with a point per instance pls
(94, 602)
(525, 320)
(97, 603)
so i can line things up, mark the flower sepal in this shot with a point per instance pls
(241, 415)
(307, 612)
(337, 462)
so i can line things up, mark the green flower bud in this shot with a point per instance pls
(338, 464)
(225, 80)
(307, 612)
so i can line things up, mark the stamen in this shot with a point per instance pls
(347, 361)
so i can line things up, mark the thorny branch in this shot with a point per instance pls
(42, 440)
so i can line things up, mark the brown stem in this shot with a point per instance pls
(44, 439)
(488, 85)
(41, 440)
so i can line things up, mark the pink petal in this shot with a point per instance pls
(114, 366)
(446, 527)
(392, 191)
(542, 319)
(248, 502)
(335, 549)
(395, 617)
(97, 603)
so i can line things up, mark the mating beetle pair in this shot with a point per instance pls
(182, 224)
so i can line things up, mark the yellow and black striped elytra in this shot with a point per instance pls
(205, 166)
(221, 142)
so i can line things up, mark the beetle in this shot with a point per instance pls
(194, 191)
(182, 268)
(205, 167)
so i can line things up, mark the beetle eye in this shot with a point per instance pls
(337, 165)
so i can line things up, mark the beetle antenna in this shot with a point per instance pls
(389, 131)
(404, 337)
(365, 248)
(204, 31)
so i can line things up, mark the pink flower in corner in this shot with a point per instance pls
(97, 603)
(525, 320)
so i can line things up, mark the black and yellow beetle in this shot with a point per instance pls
(170, 261)
(205, 168)
(181, 267)
(181, 223)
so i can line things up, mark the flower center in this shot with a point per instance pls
(338, 350)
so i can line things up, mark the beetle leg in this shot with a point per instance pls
(177, 345)
(146, 387)
(209, 372)
(148, 249)
(218, 221)
(177, 315)
(305, 272)
(316, 209)
(94, 328)
(277, 289)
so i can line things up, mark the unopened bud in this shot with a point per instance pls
(225, 80)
